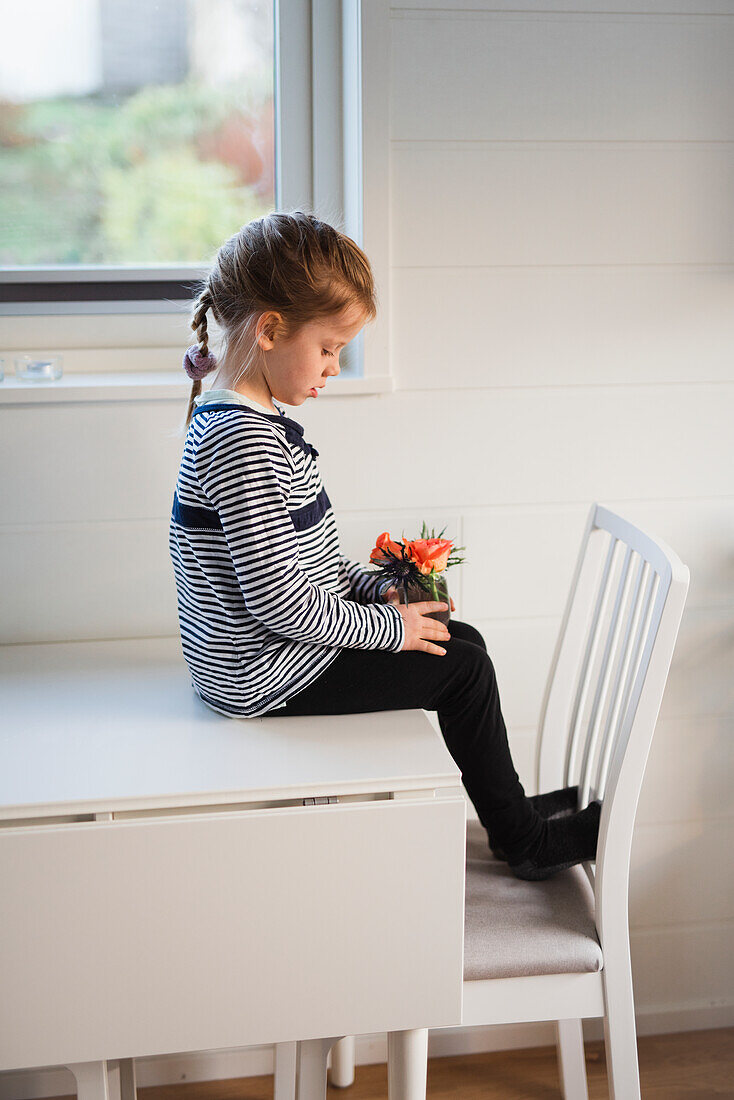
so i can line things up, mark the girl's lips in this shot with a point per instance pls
(314, 391)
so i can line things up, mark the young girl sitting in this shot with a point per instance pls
(274, 619)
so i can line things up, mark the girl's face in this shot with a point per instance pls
(299, 367)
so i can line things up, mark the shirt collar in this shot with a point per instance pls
(238, 398)
(293, 430)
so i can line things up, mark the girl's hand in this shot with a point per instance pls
(391, 596)
(422, 631)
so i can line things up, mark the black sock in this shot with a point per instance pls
(564, 842)
(551, 803)
(548, 804)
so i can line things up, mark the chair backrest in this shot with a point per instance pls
(605, 687)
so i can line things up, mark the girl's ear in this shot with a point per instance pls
(268, 325)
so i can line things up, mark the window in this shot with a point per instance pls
(137, 135)
(105, 162)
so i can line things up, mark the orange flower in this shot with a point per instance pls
(431, 555)
(385, 542)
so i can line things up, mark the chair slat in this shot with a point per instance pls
(603, 679)
(625, 655)
(642, 631)
(574, 736)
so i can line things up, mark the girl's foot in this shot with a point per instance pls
(550, 804)
(565, 842)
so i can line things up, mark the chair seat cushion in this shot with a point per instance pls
(514, 928)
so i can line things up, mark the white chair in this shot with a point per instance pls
(559, 949)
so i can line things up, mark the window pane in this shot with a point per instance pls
(133, 131)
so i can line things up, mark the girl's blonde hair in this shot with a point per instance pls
(292, 263)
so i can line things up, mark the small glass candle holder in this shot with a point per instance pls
(39, 368)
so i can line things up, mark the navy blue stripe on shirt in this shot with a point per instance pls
(206, 519)
(195, 518)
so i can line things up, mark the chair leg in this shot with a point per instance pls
(571, 1060)
(92, 1081)
(285, 1071)
(311, 1067)
(407, 1064)
(620, 1035)
(342, 1063)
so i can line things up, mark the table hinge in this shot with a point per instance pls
(323, 801)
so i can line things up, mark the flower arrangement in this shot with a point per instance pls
(413, 563)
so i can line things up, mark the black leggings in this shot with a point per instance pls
(461, 686)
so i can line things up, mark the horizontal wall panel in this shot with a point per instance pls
(520, 561)
(561, 203)
(700, 681)
(681, 871)
(526, 326)
(569, 76)
(90, 462)
(689, 966)
(530, 446)
(688, 774)
(120, 462)
(404, 8)
(87, 581)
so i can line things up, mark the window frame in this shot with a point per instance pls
(332, 147)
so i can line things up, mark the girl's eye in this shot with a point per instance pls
(327, 352)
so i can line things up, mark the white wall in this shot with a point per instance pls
(563, 250)
(563, 283)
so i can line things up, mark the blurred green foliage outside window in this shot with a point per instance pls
(140, 168)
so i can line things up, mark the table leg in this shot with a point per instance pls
(286, 1060)
(407, 1064)
(113, 1078)
(342, 1062)
(311, 1067)
(92, 1082)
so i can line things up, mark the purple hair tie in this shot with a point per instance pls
(197, 365)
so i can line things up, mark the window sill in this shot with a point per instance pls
(146, 386)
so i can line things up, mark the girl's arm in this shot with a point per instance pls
(365, 586)
(246, 476)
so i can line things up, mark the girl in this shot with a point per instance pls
(274, 619)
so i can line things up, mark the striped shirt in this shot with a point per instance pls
(266, 601)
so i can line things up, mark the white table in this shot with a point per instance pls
(175, 880)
